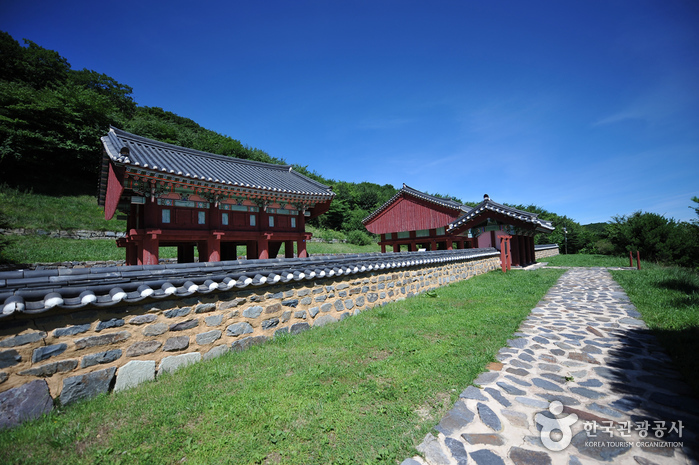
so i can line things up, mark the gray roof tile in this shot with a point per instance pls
(488, 205)
(108, 286)
(193, 164)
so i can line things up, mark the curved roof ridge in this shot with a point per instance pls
(120, 133)
(488, 204)
(449, 203)
(140, 152)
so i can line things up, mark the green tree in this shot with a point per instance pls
(656, 238)
(51, 119)
(695, 199)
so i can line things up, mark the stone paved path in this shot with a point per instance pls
(585, 346)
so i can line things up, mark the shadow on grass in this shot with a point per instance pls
(658, 386)
(677, 284)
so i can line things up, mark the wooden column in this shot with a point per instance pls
(151, 245)
(450, 244)
(383, 248)
(185, 253)
(505, 257)
(301, 247)
(263, 245)
(214, 247)
(251, 250)
(288, 249)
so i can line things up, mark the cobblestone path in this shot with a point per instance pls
(583, 377)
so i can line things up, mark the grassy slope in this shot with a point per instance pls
(41, 212)
(35, 211)
(365, 390)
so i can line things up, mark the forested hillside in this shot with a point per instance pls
(52, 118)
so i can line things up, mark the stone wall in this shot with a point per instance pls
(547, 250)
(71, 356)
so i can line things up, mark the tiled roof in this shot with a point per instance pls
(39, 291)
(139, 152)
(489, 205)
(453, 204)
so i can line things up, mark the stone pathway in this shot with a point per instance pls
(576, 386)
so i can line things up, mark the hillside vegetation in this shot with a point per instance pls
(52, 118)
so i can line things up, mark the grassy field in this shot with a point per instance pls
(34, 211)
(44, 249)
(365, 390)
(40, 212)
(587, 260)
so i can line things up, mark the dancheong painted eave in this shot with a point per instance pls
(489, 209)
(152, 159)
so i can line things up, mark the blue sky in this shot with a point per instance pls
(589, 109)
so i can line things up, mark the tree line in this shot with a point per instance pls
(52, 118)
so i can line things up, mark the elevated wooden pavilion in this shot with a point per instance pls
(175, 196)
(508, 229)
(417, 220)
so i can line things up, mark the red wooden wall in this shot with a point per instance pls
(411, 214)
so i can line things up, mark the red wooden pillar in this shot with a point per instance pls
(505, 253)
(263, 246)
(151, 246)
(450, 244)
(396, 247)
(514, 250)
(288, 249)
(383, 248)
(301, 246)
(213, 246)
(433, 244)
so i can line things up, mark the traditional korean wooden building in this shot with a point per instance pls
(508, 229)
(417, 220)
(423, 221)
(175, 196)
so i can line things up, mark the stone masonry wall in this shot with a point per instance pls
(552, 252)
(77, 355)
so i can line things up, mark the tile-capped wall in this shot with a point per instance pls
(78, 354)
(549, 250)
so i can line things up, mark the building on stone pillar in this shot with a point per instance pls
(178, 197)
(412, 220)
(491, 224)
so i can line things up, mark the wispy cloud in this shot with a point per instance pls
(675, 94)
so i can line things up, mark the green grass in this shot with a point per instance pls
(365, 390)
(587, 260)
(34, 211)
(44, 249)
(668, 300)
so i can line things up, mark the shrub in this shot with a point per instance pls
(357, 237)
